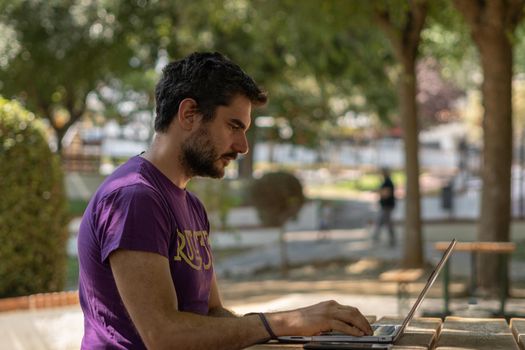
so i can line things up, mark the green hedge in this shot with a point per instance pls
(33, 214)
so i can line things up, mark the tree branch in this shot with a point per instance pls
(75, 112)
(382, 18)
(405, 40)
(471, 10)
(514, 13)
(414, 25)
(47, 111)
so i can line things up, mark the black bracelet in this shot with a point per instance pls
(265, 323)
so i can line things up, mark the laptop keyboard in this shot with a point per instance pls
(379, 330)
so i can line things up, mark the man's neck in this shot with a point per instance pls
(165, 158)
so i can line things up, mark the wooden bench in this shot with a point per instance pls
(476, 333)
(503, 249)
(403, 278)
(517, 325)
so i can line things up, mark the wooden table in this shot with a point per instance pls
(453, 334)
(502, 249)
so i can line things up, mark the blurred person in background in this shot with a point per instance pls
(146, 268)
(387, 203)
(325, 219)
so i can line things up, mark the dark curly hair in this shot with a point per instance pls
(210, 79)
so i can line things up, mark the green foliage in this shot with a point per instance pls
(32, 210)
(76, 206)
(219, 197)
(311, 56)
(318, 59)
(368, 182)
(519, 55)
(54, 53)
(447, 39)
(335, 61)
(277, 197)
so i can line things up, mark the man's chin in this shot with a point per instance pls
(218, 174)
(214, 173)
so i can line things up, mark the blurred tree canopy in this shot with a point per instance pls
(59, 52)
(55, 53)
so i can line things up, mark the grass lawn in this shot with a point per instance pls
(367, 182)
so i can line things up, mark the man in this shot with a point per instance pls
(387, 203)
(146, 268)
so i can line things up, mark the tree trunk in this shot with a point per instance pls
(61, 130)
(59, 133)
(496, 61)
(413, 245)
(491, 24)
(405, 43)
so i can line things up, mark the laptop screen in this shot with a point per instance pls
(431, 279)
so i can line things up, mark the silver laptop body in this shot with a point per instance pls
(383, 333)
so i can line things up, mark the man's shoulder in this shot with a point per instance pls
(130, 187)
(132, 191)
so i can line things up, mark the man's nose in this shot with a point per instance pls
(241, 145)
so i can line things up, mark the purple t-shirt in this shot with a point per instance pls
(139, 208)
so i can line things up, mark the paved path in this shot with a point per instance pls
(304, 247)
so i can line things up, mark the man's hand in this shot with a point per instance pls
(322, 317)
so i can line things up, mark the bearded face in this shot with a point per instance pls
(200, 156)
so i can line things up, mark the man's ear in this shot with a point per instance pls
(188, 115)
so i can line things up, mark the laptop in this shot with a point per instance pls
(383, 333)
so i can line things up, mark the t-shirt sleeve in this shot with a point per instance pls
(133, 218)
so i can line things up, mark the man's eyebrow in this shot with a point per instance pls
(238, 123)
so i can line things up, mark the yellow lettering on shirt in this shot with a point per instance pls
(188, 249)
(204, 243)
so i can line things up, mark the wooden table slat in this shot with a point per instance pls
(476, 333)
(421, 333)
(455, 333)
(517, 325)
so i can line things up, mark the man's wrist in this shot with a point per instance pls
(267, 325)
(284, 322)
